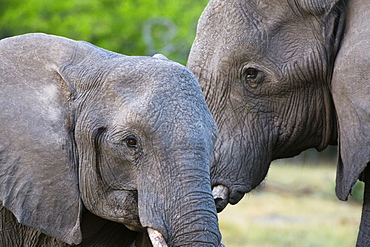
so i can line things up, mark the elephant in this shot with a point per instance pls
(281, 77)
(102, 149)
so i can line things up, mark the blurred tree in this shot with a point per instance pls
(132, 27)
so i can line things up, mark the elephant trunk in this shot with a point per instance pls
(179, 205)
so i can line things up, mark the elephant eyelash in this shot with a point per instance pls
(120, 136)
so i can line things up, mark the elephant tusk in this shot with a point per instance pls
(220, 192)
(156, 238)
(158, 241)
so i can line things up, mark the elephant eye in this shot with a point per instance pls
(251, 73)
(253, 77)
(131, 142)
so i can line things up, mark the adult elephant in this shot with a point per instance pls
(281, 77)
(94, 143)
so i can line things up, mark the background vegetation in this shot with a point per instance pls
(131, 27)
(296, 206)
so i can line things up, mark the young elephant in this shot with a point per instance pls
(282, 76)
(95, 143)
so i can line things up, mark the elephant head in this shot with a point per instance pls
(266, 68)
(128, 138)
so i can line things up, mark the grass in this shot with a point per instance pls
(295, 206)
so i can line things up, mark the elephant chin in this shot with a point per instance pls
(222, 196)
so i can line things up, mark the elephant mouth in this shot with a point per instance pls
(223, 195)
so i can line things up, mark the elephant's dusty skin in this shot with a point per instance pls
(96, 146)
(281, 77)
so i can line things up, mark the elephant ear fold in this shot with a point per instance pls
(354, 152)
(352, 104)
(350, 90)
(38, 161)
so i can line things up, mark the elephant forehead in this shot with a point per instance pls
(256, 35)
(165, 107)
(152, 93)
(147, 71)
(155, 92)
(251, 23)
(153, 81)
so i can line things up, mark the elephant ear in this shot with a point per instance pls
(350, 89)
(38, 162)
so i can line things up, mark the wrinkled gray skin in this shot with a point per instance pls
(95, 143)
(275, 75)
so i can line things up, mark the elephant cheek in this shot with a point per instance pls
(128, 215)
(116, 205)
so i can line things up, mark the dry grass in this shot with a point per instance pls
(296, 206)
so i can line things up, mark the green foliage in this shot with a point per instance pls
(357, 193)
(168, 26)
